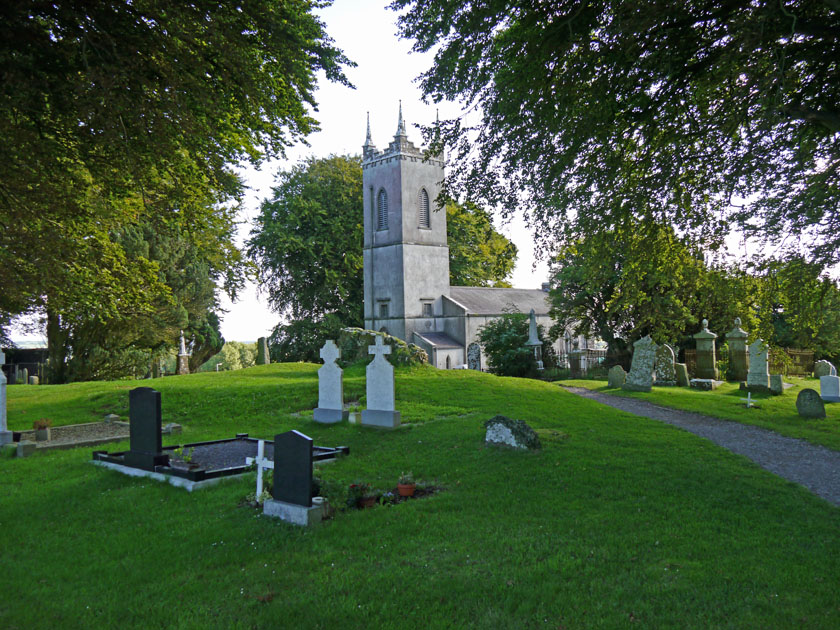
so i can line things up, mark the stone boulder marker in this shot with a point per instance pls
(381, 396)
(739, 357)
(666, 374)
(640, 376)
(809, 404)
(706, 359)
(330, 387)
(513, 433)
(144, 413)
(6, 436)
(824, 368)
(830, 388)
(263, 357)
(758, 378)
(616, 377)
(682, 374)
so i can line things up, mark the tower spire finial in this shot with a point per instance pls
(401, 123)
(367, 137)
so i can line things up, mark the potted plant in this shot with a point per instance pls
(181, 459)
(42, 429)
(406, 485)
(358, 495)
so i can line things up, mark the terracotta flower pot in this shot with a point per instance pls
(406, 489)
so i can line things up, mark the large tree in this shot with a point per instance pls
(593, 112)
(307, 248)
(115, 114)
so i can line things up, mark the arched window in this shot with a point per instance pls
(423, 209)
(382, 210)
(448, 362)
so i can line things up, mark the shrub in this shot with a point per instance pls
(504, 339)
(354, 342)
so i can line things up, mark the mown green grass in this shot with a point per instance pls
(618, 522)
(777, 413)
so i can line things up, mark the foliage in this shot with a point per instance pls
(596, 112)
(354, 344)
(115, 115)
(503, 341)
(621, 285)
(234, 355)
(302, 339)
(479, 256)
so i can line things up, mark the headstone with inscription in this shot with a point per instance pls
(830, 388)
(330, 387)
(640, 377)
(263, 357)
(6, 436)
(758, 378)
(706, 358)
(777, 384)
(381, 394)
(681, 370)
(144, 413)
(824, 368)
(616, 377)
(666, 375)
(739, 358)
(292, 489)
(809, 404)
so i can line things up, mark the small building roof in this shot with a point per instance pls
(438, 340)
(496, 301)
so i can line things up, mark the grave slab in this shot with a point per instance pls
(294, 514)
(704, 384)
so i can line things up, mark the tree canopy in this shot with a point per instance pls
(597, 112)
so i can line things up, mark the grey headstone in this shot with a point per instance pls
(379, 376)
(474, 357)
(330, 387)
(704, 384)
(34, 380)
(739, 358)
(616, 376)
(666, 375)
(6, 436)
(24, 376)
(706, 359)
(293, 468)
(144, 412)
(777, 384)
(25, 448)
(830, 388)
(824, 368)
(758, 378)
(262, 352)
(809, 404)
(681, 371)
(640, 376)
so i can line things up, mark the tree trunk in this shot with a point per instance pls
(57, 349)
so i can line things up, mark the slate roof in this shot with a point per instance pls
(438, 340)
(492, 301)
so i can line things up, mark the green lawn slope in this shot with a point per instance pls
(618, 522)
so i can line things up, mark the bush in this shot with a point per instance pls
(503, 341)
(354, 342)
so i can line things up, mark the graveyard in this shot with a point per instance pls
(615, 520)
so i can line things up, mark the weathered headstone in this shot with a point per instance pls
(292, 488)
(758, 378)
(330, 387)
(474, 357)
(809, 404)
(263, 357)
(24, 376)
(666, 375)
(739, 358)
(183, 365)
(144, 413)
(704, 384)
(830, 388)
(34, 380)
(824, 368)
(6, 436)
(575, 370)
(681, 370)
(640, 376)
(379, 375)
(616, 377)
(513, 433)
(777, 384)
(706, 358)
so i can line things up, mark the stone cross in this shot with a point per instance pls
(379, 375)
(748, 400)
(262, 464)
(330, 387)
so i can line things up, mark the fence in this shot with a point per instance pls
(796, 362)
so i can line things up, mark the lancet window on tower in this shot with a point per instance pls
(423, 209)
(382, 210)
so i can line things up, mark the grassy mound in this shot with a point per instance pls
(617, 520)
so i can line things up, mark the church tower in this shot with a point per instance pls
(406, 257)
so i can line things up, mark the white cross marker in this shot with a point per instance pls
(262, 463)
(330, 352)
(380, 349)
(748, 400)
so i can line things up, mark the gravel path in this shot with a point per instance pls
(815, 467)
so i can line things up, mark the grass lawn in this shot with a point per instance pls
(617, 522)
(777, 413)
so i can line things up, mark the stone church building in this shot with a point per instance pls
(406, 261)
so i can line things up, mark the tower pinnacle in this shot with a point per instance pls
(400, 124)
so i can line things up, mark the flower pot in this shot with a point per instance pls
(367, 502)
(42, 435)
(406, 489)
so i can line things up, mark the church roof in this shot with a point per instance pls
(438, 339)
(493, 301)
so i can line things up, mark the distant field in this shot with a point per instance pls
(617, 522)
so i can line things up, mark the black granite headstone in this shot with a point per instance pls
(293, 468)
(144, 414)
